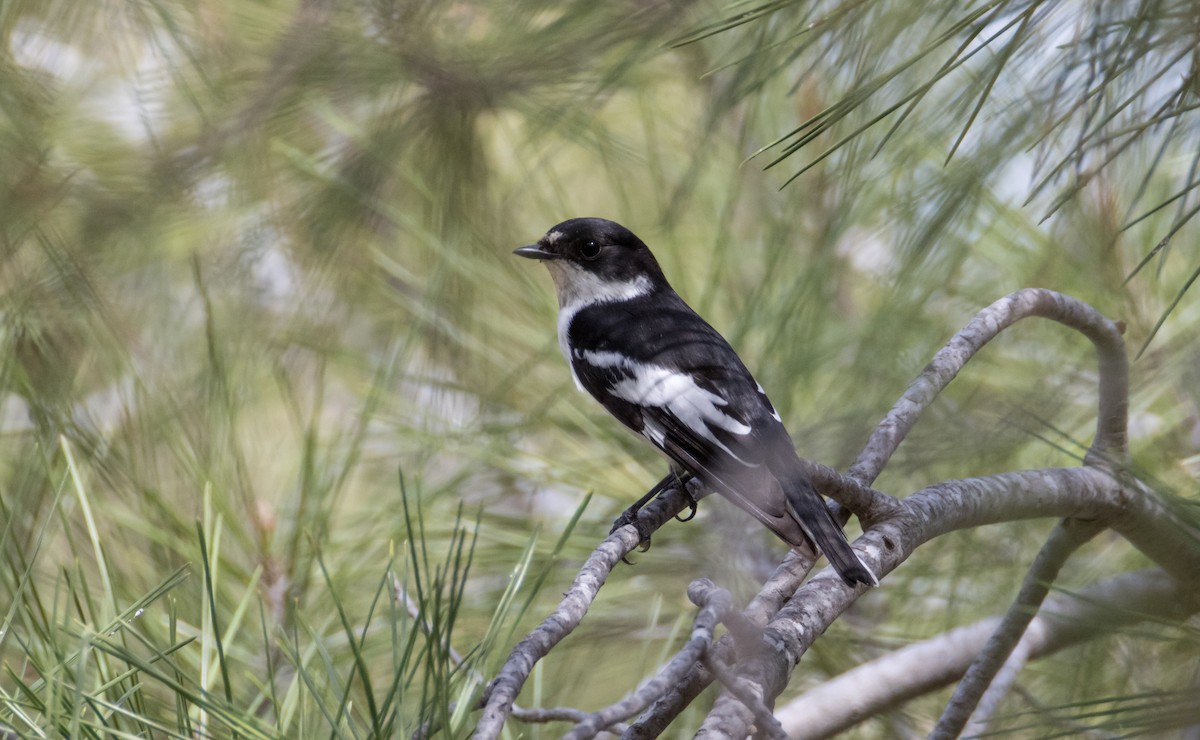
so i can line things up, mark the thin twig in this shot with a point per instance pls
(1111, 442)
(1066, 619)
(765, 722)
(1068, 536)
(502, 692)
(714, 603)
(770, 598)
(560, 714)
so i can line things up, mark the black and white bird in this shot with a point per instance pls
(662, 371)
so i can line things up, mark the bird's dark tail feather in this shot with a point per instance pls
(818, 523)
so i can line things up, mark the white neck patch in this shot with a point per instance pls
(577, 289)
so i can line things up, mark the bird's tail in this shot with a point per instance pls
(818, 523)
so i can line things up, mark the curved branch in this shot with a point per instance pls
(502, 692)
(1138, 514)
(770, 598)
(1068, 536)
(1085, 492)
(896, 528)
(556, 714)
(714, 603)
(853, 495)
(1065, 620)
(1111, 442)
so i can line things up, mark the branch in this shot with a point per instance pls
(557, 714)
(768, 669)
(1111, 442)
(502, 692)
(774, 593)
(1086, 492)
(713, 603)
(1065, 620)
(1137, 513)
(716, 604)
(1083, 492)
(895, 529)
(655, 721)
(1068, 536)
(853, 495)
(765, 722)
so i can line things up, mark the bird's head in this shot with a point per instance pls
(594, 259)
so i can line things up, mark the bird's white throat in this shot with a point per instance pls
(578, 287)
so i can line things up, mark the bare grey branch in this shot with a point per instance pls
(1066, 619)
(1068, 536)
(714, 603)
(502, 692)
(1110, 443)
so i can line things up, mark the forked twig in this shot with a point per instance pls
(502, 692)
(1066, 619)
(714, 604)
(1112, 419)
(894, 528)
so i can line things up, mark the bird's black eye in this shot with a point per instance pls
(590, 250)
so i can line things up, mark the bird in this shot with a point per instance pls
(652, 362)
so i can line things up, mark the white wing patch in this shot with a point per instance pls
(698, 409)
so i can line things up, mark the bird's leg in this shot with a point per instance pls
(630, 515)
(675, 477)
(684, 479)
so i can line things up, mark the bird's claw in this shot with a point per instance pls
(693, 506)
(643, 546)
(630, 516)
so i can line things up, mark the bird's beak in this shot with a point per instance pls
(534, 252)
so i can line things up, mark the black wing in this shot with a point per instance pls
(666, 374)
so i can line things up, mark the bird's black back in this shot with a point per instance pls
(660, 329)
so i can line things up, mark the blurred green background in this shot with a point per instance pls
(270, 371)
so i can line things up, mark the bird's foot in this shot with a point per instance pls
(693, 507)
(630, 516)
(692, 503)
